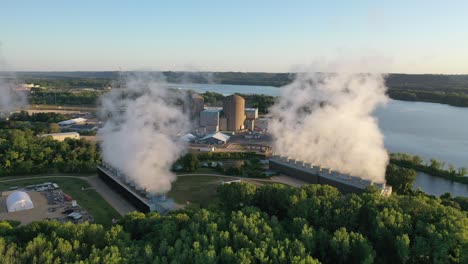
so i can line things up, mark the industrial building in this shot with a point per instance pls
(18, 201)
(261, 124)
(73, 121)
(209, 119)
(215, 138)
(188, 137)
(62, 136)
(317, 175)
(234, 111)
(251, 113)
(142, 200)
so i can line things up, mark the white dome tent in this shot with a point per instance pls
(18, 201)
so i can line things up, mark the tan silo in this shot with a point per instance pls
(234, 111)
(197, 103)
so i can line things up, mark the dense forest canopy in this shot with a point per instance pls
(23, 153)
(249, 224)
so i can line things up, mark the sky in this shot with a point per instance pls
(264, 36)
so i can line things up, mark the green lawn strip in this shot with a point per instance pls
(90, 200)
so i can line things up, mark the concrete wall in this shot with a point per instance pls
(294, 172)
(117, 186)
(209, 118)
(315, 175)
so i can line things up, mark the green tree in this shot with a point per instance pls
(190, 162)
(401, 179)
(54, 128)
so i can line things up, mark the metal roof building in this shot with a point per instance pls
(216, 138)
(18, 201)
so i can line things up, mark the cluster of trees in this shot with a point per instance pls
(268, 224)
(251, 168)
(39, 123)
(217, 156)
(213, 99)
(401, 179)
(24, 153)
(260, 101)
(433, 167)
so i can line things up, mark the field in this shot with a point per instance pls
(200, 189)
(89, 199)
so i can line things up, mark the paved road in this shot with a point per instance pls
(123, 206)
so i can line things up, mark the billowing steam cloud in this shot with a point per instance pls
(325, 119)
(141, 133)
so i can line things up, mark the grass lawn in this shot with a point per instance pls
(90, 200)
(195, 189)
(202, 170)
(200, 189)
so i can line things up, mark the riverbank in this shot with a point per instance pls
(415, 163)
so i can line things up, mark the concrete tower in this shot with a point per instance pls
(234, 111)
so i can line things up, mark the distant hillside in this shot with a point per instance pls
(446, 89)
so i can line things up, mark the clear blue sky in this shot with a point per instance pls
(274, 36)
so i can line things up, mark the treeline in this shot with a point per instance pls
(50, 117)
(64, 98)
(450, 98)
(268, 224)
(39, 123)
(446, 89)
(22, 153)
(433, 167)
(260, 101)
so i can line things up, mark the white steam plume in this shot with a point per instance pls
(11, 98)
(141, 133)
(326, 119)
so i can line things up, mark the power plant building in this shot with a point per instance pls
(234, 112)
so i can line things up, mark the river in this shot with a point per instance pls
(425, 129)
